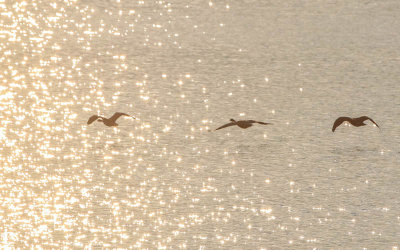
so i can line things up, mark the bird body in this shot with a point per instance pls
(357, 122)
(242, 124)
(110, 122)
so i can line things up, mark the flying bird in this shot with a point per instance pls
(357, 122)
(242, 124)
(110, 122)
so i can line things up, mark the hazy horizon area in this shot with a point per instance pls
(167, 179)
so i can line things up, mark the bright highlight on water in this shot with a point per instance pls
(182, 68)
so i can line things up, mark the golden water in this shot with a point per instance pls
(183, 68)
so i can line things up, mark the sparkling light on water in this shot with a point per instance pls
(167, 179)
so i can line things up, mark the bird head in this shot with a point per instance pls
(232, 120)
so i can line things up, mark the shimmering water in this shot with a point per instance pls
(183, 68)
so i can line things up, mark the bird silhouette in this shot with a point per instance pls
(110, 122)
(242, 124)
(357, 122)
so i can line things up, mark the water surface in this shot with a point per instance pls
(183, 68)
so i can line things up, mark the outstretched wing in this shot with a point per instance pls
(117, 115)
(226, 125)
(339, 121)
(264, 123)
(367, 118)
(93, 118)
(252, 121)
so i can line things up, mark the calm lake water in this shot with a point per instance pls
(184, 68)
